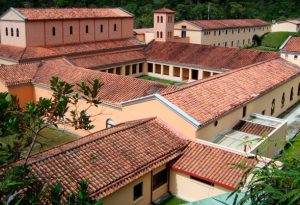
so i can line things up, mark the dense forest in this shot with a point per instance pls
(185, 9)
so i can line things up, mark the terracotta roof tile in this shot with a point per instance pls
(111, 158)
(213, 164)
(204, 56)
(209, 99)
(72, 13)
(163, 10)
(115, 89)
(293, 45)
(228, 23)
(253, 128)
(99, 60)
(32, 53)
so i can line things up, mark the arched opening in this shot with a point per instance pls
(109, 123)
(256, 40)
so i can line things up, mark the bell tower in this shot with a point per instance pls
(164, 24)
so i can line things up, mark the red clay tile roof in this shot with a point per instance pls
(253, 128)
(213, 165)
(72, 13)
(204, 56)
(228, 23)
(109, 159)
(115, 89)
(293, 45)
(100, 60)
(33, 53)
(164, 10)
(208, 99)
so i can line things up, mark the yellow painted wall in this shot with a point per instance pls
(24, 92)
(189, 189)
(291, 57)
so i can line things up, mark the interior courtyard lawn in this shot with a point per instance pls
(50, 137)
(294, 149)
(173, 200)
(146, 77)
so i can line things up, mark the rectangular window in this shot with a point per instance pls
(158, 68)
(150, 67)
(71, 30)
(166, 70)
(138, 191)
(6, 31)
(12, 32)
(185, 74)
(118, 70)
(101, 28)
(195, 74)
(134, 69)
(86, 29)
(202, 181)
(159, 179)
(115, 27)
(53, 31)
(18, 34)
(244, 111)
(127, 70)
(176, 71)
(141, 67)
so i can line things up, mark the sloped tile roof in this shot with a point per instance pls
(99, 60)
(228, 23)
(253, 128)
(115, 89)
(204, 56)
(164, 10)
(36, 53)
(109, 159)
(72, 13)
(213, 164)
(208, 99)
(293, 45)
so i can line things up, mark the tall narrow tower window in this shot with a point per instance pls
(17, 32)
(161, 35)
(12, 32)
(101, 28)
(161, 19)
(71, 30)
(86, 29)
(53, 31)
(115, 27)
(6, 31)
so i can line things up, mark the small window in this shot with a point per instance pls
(110, 123)
(86, 29)
(115, 27)
(157, 19)
(138, 191)
(295, 57)
(273, 107)
(244, 111)
(282, 100)
(161, 19)
(219, 33)
(216, 123)
(6, 31)
(53, 31)
(226, 32)
(71, 30)
(157, 34)
(101, 28)
(292, 94)
(159, 179)
(263, 112)
(17, 32)
(161, 35)
(12, 32)
(150, 67)
(195, 74)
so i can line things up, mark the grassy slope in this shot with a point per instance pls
(294, 149)
(145, 77)
(174, 201)
(276, 39)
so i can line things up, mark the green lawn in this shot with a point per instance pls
(173, 200)
(276, 39)
(49, 138)
(263, 48)
(294, 149)
(146, 77)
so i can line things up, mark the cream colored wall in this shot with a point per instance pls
(35, 33)
(291, 57)
(13, 40)
(257, 106)
(184, 187)
(284, 26)
(7, 62)
(192, 32)
(163, 27)
(3, 88)
(11, 16)
(149, 37)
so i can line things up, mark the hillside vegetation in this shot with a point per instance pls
(276, 39)
(185, 9)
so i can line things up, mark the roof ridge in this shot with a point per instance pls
(189, 85)
(33, 158)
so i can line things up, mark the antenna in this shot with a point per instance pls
(208, 10)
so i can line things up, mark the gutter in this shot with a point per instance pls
(170, 105)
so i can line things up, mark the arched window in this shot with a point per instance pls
(115, 27)
(161, 19)
(101, 28)
(86, 29)
(292, 94)
(161, 35)
(12, 32)
(17, 32)
(216, 123)
(6, 31)
(157, 34)
(273, 107)
(53, 31)
(282, 100)
(109, 123)
(71, 30)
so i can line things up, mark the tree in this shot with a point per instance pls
(23, 126)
